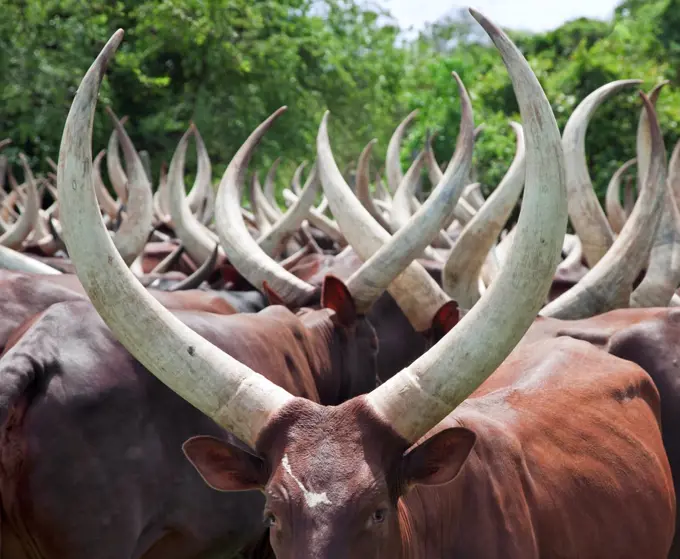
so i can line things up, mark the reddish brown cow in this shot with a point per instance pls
(508, 475)
(651, 339)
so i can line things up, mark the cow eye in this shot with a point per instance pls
(269, 520)
(378, 516)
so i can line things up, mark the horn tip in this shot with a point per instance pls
(481, 19)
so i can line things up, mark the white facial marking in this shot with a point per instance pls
(313, 499)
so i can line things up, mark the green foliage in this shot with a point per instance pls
(227, 64)
(641, 42)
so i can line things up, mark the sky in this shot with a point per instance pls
(530, 15)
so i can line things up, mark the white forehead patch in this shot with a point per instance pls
(312, 499)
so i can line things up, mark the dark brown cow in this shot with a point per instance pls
(91, 462)
(558, 455)
(398, 341)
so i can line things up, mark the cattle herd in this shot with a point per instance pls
(183, 377)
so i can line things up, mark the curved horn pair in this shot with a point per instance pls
(242, 401)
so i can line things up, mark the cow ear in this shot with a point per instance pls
(439, 459)
(223, 466)
(336, 296)
(445, 319)
(272, 296)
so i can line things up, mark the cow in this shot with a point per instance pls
(400, 344)
(648, 337)
(527, 468)
(26, 294)
(91, 463)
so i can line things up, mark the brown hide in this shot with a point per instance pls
(651, 339)
(568, 462)
(91, 461)
(398, 341)
(24, 295)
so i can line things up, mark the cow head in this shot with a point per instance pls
(332, 477)
(332, 474)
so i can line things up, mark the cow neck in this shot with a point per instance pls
(320, 345)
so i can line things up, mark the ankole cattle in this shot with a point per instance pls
(66, 379)
(92, 464)
(558, 454)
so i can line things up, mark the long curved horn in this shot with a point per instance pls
(441, 240)
(196, 238)
(296, 182)
(293, 218)
(244, 253)
(608, 285)
(201, 192)
(643, 141)
(113, 165)
(615, 212)
(362, 185)
(392, 159)
(463, 212)
(225, 390)
(661, 280)
(461, 273)
(204, 178)
(106, 202)
(161, 206)
(134, 231)
(17, 233)
(401, 202)
(270, 182)
(261, 220)
(674, 172)
(201, 274)
(585, 212)
(663, 272)
(418, 296)
(400, 211)
(12, 260)
(416, 399)
(272, 213)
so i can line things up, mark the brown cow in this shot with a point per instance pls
(25, 294)
(649, 338)
(559, 454)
